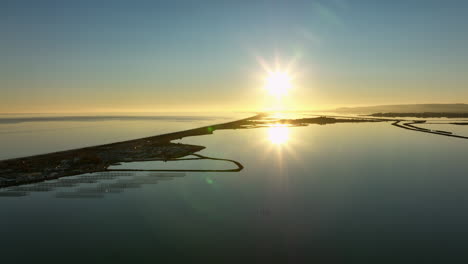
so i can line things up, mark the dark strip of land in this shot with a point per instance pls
(99, 158)
(422, 115)
(411, 126)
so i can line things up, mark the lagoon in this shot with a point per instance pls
(351, 191)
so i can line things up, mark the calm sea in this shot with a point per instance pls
(334, 193)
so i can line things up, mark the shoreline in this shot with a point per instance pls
(54, 165)
(99, 158)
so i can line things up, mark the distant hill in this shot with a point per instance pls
(408, 108)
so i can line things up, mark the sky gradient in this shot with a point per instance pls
(89, 56)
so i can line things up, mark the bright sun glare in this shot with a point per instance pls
(278, 134)
(278, 83)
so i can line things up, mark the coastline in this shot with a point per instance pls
(50, 166)
(99, 158)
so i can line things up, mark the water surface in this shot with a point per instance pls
(355, 192)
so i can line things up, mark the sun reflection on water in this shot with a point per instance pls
(278, 134)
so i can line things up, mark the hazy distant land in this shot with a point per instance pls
(422, 115)
(406, 108)
(99, 158)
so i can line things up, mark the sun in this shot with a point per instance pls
(278, 83)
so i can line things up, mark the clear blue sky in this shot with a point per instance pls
(202, 55)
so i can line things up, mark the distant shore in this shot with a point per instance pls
(55, 165)
(422, 115)
(100, 158)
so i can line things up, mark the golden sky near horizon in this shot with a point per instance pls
(170, 57)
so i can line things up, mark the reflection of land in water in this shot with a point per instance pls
(157, 148)
(95, 185)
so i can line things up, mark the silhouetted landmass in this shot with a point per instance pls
(99, 158)
(422, 115)
(323, 120)
(55, 165)
(408, 108)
